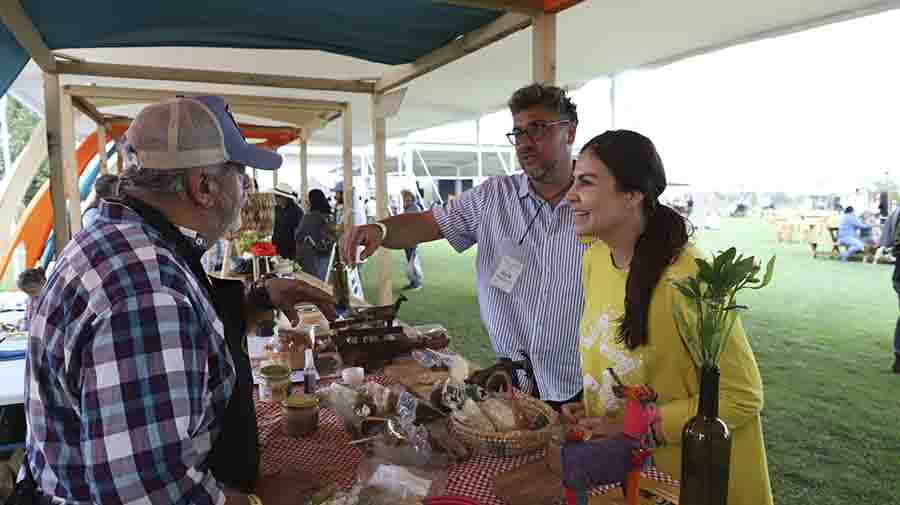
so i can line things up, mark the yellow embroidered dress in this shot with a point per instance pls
(665, 365)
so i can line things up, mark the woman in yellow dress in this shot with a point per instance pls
(638, 246)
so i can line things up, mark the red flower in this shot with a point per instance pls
(263, 249)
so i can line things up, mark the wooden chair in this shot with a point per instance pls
(835, 246)
(784, 232)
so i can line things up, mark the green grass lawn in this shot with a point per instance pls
(822, 333)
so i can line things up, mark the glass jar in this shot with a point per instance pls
(276, 382)
(300, 415)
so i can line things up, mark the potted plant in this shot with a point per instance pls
(704, 323)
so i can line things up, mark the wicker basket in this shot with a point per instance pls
(512, 443)
(259, 213)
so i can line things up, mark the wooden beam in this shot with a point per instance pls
(27, 35)
(52, 95)
(70, 165)
(66, 56)
(528, 7)
(347, 123)
(155, 95)
(554, 6)
(543, 49)
(389, 104)
(213, 76)
(101, 147)
(303, 140)
(88, 109)
(383, 260)
(468, 43)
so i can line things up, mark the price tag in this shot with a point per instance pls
(406, 408)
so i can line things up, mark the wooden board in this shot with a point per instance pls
(530, 484)
(536, 483)
(416, 378)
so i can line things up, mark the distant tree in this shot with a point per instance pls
(22, 123)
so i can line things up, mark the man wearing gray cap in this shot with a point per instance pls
(137, 388)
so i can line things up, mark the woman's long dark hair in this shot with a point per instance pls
(318, 202)
(636, 166)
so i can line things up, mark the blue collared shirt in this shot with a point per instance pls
(541, 314)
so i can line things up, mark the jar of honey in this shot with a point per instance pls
(276, 382)
(300, 415)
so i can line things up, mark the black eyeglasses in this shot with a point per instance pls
(535, 130)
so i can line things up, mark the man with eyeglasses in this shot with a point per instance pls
(138, 388)
(529, 259)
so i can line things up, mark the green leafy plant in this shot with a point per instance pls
(246, 240)
(705, 322)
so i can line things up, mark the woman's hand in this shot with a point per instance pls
(595, 426)
(601, 426)
(572, 412)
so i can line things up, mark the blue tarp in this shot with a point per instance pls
(382, 31)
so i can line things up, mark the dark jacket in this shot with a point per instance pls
(287, 219)
(315, 240)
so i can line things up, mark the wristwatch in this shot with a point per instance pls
(254, 500)
(258, 295)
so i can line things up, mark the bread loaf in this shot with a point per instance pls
(500, 413)
(472, 415)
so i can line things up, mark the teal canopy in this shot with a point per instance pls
(383, 31)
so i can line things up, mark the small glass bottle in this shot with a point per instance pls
(310, 374)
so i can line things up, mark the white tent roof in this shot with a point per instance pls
(596, 37)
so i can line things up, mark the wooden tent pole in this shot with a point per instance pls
(383, 261)
(61, 232)
(543, 49)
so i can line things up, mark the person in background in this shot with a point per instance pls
(315, 236)
(287, 218)
(341, 199)
(106, 186)
(637, 247)
(371, 210)
(890, 240)
(30, 282)
(413, 265)
(848, 233)
(883, 206)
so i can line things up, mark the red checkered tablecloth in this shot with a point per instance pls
(328, 454)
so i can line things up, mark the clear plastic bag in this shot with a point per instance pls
(384, 479)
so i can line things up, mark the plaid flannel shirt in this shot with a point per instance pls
(128, 372)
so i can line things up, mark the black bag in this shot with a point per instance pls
(25, 492)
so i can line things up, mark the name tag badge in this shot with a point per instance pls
(509, 267)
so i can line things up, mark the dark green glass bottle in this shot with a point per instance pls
(706, 448)
(340, 283)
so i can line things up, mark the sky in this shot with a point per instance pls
(815, 111)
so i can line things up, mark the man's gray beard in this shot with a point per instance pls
(234, 225)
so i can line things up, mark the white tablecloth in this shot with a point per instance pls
(12, 382)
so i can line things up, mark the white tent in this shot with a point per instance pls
(594, 38)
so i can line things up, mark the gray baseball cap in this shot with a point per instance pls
(189, 132)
